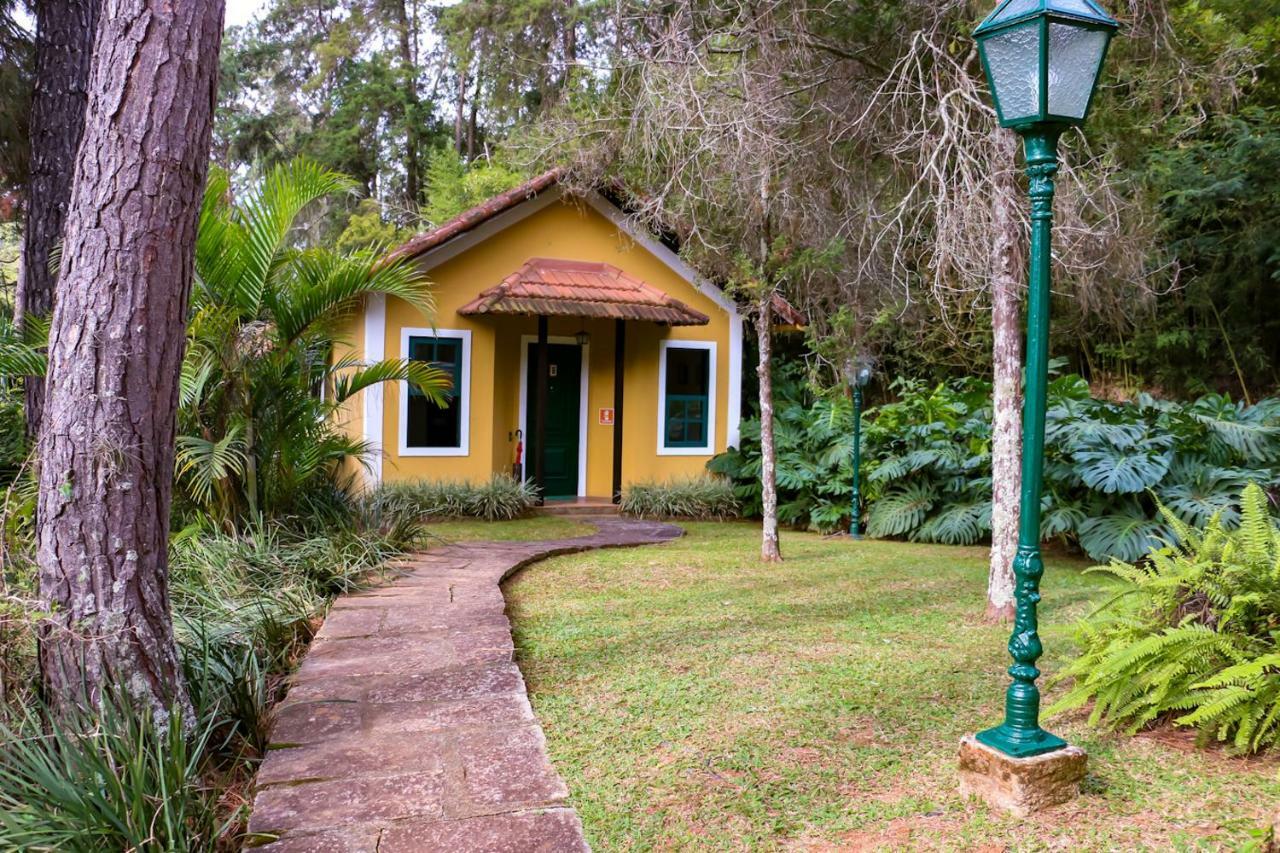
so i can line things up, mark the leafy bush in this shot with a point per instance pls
(814, 443)
(496, 499)
(690, 497)
(927, 463)
(1193, 636)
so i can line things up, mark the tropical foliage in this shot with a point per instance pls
(263, 374)
(1193, 634)
(927, 463)
(689, 497)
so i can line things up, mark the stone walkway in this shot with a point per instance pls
(407, 727)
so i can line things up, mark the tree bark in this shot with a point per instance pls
(770, 550)
(413, 133)
(569, 43)
(64, 45)
(1006, 391)
(115, 349)
(459, 115)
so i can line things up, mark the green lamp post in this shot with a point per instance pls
(857, 372)
(1042, 59)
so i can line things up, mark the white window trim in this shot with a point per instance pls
(375, 332)
(463, 401)
(583, 408)
(709, 448)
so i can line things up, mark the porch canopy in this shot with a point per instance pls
(546, 287)
(564, 288)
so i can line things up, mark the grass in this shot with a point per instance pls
(694, 698)
(533, 527)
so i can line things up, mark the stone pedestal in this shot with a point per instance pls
(1020, 785)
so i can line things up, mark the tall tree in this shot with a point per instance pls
(64, 45)
(115, 349)
(16, 71)
(718, 125)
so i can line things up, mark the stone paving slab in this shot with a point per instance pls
(407, 727)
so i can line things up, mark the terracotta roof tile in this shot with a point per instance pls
(481, 213)
(565, 288)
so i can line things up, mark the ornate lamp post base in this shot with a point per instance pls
(1020, 785)
(1020, 744)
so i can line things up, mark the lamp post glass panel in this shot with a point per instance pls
(1042, 59)
(857, 372)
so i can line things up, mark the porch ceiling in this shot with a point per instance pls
(564, 288)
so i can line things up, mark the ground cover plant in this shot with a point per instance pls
(927, 462)
(694, 698)
(1192, 636)
(500, 498)
(703, 497)
(245, 605)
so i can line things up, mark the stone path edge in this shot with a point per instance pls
(408, 726)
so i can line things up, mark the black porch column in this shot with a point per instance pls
(540, 414)
(619, 361)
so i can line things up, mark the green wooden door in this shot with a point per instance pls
(564, 398)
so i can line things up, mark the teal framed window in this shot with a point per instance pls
(428, 429)
(687, 387)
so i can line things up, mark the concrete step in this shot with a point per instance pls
(580, 506)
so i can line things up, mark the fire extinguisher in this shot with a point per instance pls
(517, 470)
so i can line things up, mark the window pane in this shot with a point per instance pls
(688, 371)
(429, 425)
(1075, 55)
(1013, 57)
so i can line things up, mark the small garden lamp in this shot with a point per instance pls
(1042, 59)
(857, 372)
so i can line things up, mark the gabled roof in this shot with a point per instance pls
(478, 215)
(514, 197)
(558, 287)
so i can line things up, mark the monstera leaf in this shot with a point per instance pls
(1127, 533)
(901, 510)
(1113, 469)
(957, 524)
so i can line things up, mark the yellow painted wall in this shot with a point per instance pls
(564, 229)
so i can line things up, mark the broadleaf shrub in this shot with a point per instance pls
(689, 497)
(926, 459)
(1193, 637)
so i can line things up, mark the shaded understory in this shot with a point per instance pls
(692, 697)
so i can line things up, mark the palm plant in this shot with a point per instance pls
(260, 383)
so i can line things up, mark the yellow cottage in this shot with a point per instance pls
(581, 347)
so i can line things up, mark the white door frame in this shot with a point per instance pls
(525, 340)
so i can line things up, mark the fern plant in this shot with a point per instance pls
(1192, 637)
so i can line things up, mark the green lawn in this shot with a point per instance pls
(694, 698)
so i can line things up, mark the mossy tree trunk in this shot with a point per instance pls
(1006, 393)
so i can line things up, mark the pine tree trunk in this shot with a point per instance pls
(770, 550)
(459, 115)
(570, 42)
(115, 349)
(64, 45)
(1006, 393)
(413, 133)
